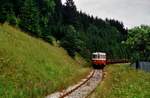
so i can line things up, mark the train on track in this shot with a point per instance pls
(99, 60)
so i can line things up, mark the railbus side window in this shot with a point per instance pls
(103, 56)
(99, 56)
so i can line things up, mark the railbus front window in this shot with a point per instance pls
(94, 56)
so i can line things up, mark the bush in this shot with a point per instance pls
(48, 39)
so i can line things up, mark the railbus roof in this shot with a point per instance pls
(101, 53)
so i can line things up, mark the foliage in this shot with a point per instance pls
(139, 43)
(30, 18)
(119, 25)
(69, 12)
(69, 42)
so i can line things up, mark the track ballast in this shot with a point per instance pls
(83, 88)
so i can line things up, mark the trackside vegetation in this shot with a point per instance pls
(122, 81)
(31, 68)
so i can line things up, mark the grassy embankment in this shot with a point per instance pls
(32, 68)
(123, 82)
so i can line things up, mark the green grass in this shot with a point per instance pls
(123, 82)
(32, 68)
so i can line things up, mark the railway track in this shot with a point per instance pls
(83, 88)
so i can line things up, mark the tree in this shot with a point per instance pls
(139, 43)
(58, 10)
(30, 18)
(120, 27)
(45, 10)
(69, 42)
(5, 9)
(70, 12)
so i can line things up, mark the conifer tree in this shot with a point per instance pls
(30, 18)
(70, 12)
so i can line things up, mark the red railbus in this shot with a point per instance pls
(99, 59)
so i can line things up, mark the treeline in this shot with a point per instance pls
(76, 31)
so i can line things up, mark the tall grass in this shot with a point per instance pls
(123, 82)
(31, 68)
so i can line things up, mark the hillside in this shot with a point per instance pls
(31, 68)
(122, 81)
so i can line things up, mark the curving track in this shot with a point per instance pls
(83, 88)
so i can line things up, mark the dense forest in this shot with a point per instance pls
(75, 30)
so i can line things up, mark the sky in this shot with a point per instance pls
(130, 12)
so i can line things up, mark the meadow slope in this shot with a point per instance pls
(32, 68)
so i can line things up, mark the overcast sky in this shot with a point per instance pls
(130, 12)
